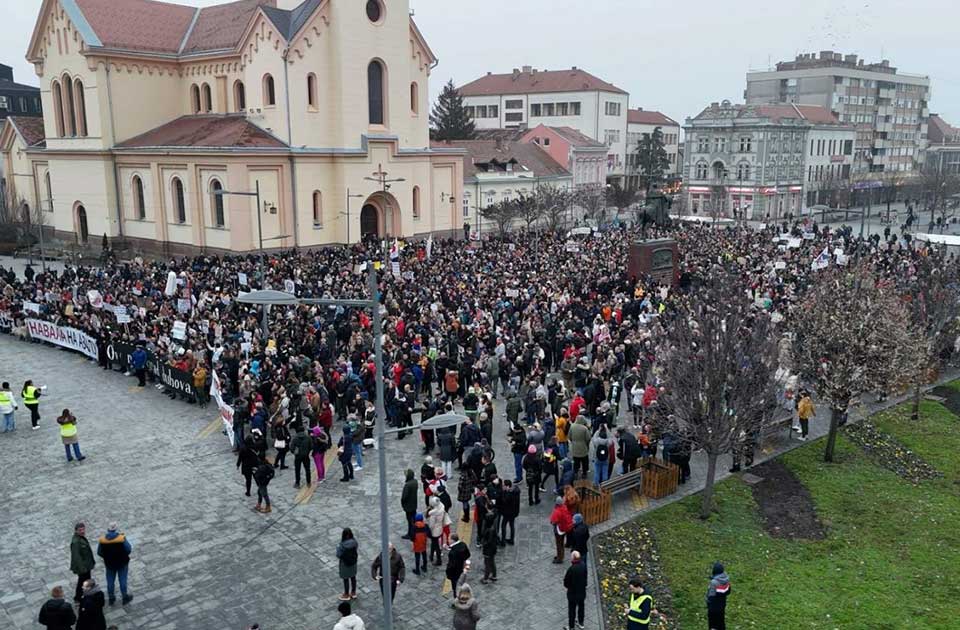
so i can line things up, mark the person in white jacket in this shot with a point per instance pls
(435, 518)
(8, 405)
(348, 620)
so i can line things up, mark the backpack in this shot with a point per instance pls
(264, 474)
(603, 452)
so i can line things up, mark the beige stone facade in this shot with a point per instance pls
(143, 126)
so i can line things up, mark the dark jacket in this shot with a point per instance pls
(56, 614)
(448, 446)
(575, 581)
(578, 537)
(490, 537)
(81, 556)
(247, 460)
(91, 611)
(718, 590)
(533, 468)
(263, 474)
(302, 445)
(629, 447)
(115, 550)
(510, 502)
(398, 570)
(408, 498)
(456, 559)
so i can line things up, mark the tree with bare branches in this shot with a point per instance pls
(851, 336)
(528, 209)
(937, 187)
(621, 198)
(932, 295)
(593, 200)
(554, 202)
(502, 213)
(718, 372)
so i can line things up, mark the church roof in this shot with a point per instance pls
(206, 131)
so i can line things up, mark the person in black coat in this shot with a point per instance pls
(490, 543)
(91, 608)
(509, 511)
(579, 536)
(247, 461)
(57, 614)
(408, 501)
(575, 581)
(628, 449)
(456, 559)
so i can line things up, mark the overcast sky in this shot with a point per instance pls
(675, 56)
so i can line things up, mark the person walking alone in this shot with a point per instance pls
(640, 607)
(302, 447)
(31, 400)
(262, 474)
(68, 435)
(115, 550)
(8, 405)
(806, 411)
(81, 558)
(398, 572)
(717, 594)
(348, 556)
(247, 461)
(575, 581)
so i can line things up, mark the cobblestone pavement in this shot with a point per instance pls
(202, 557)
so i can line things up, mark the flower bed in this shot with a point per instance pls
(886, 451)
(620, 554)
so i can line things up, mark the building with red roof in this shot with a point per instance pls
(156, 112)
(642, 123)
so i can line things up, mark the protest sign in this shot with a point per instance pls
(242, 278)
(289, 286)
(95, 299)
(31, 306)
(179, 330)
(63, 336)
(183, 305)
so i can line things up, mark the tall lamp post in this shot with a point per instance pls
(281, 298)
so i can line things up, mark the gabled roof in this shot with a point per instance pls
(8, 87)
(534, 81)
(641, 116)
(775, 112)
(528, 157)
(221, 26)
(139, 25)
(205, 131)
(30, 128)
(940, 131)
(576, 138)
(290, 22)
(511, 134)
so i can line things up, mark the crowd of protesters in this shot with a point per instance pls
(562, 333)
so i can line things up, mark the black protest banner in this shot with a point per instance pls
(178, 380)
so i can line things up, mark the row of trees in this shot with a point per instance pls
(852, 336)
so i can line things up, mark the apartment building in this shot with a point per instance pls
(943, 151)
(528, 97)
(887, 107)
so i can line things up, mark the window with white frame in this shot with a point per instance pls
(746, 144)
(612, 108)
(611, 136)
(700, 170)
(575, 108)
(703, 144)
(720, 144)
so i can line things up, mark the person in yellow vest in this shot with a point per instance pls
(640, 607)
(31, 400)
(68, 433)
(8, 405)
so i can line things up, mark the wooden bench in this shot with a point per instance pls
(620, 483)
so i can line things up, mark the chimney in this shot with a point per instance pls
(885, 63)
(527, 69)
(516, 73)
(714, 106)
(573, 68)
(851, 59)
(489, 73)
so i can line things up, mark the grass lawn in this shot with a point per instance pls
(891, 558)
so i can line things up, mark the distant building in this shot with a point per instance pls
(17, 99)
(888, 108)
(583, 157)
(573, 98)
(760, 161)
(641, 122)
(501, 170)
(943, 150)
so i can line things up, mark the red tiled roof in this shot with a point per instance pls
(811, 113)
(940, 131)
(576, 138)
(535, 159)
(214, 131)
(30, 127)
(138, 24)
(644, 117)
(537, 81)
(221, 26)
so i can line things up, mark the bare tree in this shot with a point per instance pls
(621, 198)
(851, 336)
(593, 201)
(502, 213)
(719, 371)
(932, 294)
(554, 202)
(528, 209)
(937, 186)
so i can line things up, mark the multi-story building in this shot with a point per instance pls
(887, 107)
(641, 123)
(574, 98)
(757, 161)
(500, 170)
(582, 156)
(156, 114)
(943, 150)
(17, 99)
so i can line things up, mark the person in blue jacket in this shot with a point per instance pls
(138, 361)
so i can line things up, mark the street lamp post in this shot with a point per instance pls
(445, 420)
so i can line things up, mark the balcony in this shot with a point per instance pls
(888, 93)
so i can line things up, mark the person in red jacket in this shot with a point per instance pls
(649, 397)
(562, 523)
(419, 543)
(575, 406)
